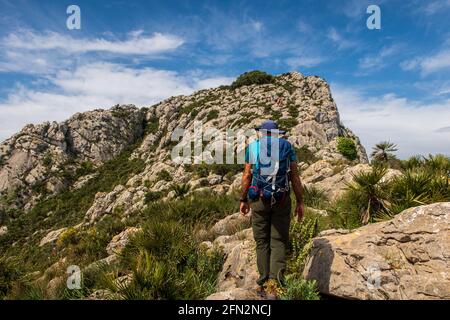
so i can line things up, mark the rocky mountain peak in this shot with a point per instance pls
(34, 162)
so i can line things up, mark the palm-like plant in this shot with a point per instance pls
(413, 162)
(438, 164)
(181, 190)
(368, 190)
(383, 152)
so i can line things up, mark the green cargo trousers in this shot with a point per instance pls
(270, 226)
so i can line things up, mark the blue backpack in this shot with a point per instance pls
(270, 171)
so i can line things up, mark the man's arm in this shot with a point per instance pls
(245, 185)
(298, 189)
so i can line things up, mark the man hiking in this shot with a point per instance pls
(270, 164)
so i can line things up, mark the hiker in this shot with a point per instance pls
(270, 164)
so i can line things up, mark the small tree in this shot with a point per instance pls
(252, 77)
(383, 152)
(368, 190)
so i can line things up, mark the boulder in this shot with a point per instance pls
(237, 280)
(326, 177)
(52, 236)
(231, 224)
(407, 257)
(119, 241)
(3, 230)
(214, 179)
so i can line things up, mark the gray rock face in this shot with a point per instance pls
(237, 281)
(33, 159)
(119, 241)
(52, 236)
(407, 257)
(3, 230)
(231, 224)
(36, 155)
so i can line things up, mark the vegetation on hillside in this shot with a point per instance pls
(347, 148)
(252, 77)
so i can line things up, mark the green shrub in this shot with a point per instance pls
(165, 258)
(152, 196)
(181, 190)
(305, 155)
(298, 288)
(344, 213)
(347, 148)
(48, 160)
(293, 109)
(289, 87)
(70, 236)
(164, 175)
(314, 197)
(252, 77)
(301, 234)
(201, 207)
(152, 126)
(276, 114)
(86, 167)
(11, 271)
(287, 123)
(120, 112)
(213, 114)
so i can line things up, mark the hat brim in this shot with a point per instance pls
(271, 130)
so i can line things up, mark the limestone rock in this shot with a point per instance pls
(38, 153)
(231, 224)
(237, 281)
(326, 177)
(119, 241)
(52, 236)
(407, 257)
(121, 199)
(214, 179)
(3, 230)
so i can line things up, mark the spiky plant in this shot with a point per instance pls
(314, 197)
(181, 190)
(439, 164)
(383, 152)
(412, 163)
(368, 190)
(298, 288)
(418, 187)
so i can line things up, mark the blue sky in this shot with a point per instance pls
(389, 84)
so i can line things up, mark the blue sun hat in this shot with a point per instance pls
(270, 126)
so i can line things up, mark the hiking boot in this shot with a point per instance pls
(260, 292)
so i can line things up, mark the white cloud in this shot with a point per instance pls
(97, 85)
(257, 25)
(339, 40)
(414, 126)
(436, 6)
(136, 43)
(379, 60)
(439, 61)
(431, 64)
(304, 61)
(29, 52)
